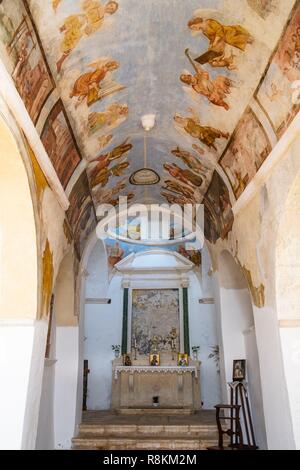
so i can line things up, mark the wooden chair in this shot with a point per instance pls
(234, 431)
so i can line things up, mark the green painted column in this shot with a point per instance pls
(186, 326)
(125, 321)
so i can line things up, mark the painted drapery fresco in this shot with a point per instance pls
(154, 313)
(246, 153)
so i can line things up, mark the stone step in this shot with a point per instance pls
(155, 411)
(170, 430)
(141, 443)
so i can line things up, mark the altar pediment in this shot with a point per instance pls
(160, 261)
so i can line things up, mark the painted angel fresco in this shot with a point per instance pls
(176, 199)
(118, 152)
(205, 134)
(97, 84)
(185, 176)
(105, 195)
(220, 37)
(103, 176)
(111, 195)
(112, 117)
(100, 172)
(215, 90)
(189, 160)
(78, 26)
(194, 195)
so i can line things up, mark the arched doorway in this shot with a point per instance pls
(287, 299)
(18, 293)
(237, 329)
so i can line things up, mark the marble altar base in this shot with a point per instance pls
(178, 388)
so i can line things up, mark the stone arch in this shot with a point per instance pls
(19, 290)
(18, 239)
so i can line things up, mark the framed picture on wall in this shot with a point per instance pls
(239, 370)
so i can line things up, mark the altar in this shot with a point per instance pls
(164, 387)
(155, 369)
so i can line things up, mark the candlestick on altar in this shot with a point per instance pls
(135, 348)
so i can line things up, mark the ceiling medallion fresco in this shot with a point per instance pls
(144, 177)
(88, 70)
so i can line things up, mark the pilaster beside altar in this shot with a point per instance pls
(136, 386)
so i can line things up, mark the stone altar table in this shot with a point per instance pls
(177, 387)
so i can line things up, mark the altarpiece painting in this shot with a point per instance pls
(154, 313)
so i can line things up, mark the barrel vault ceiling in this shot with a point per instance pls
(217, 75)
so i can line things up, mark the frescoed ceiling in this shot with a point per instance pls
(213, 72)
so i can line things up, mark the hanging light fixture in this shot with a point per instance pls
(145, 176)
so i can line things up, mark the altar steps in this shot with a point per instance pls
(95, 435)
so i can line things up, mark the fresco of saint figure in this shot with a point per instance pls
(60, 143)
(185, 176)
(103, 162)
(79, 198)
(214, 90)
(175, 199)
(115, 254)
(246, 153)
(102, 176)
(192, 255)
(205, 134)
(112, 117)
(95, 85)
(218, 208)
(104, 195)
(118, 152)
(78, 26)
(220, 36)
(190, 160)
(193, 194)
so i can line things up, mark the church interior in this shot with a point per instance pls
(123, 324)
